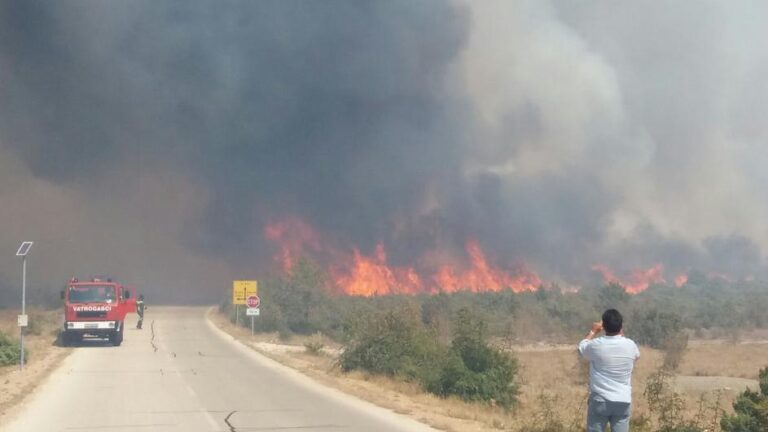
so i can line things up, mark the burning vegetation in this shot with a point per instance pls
(353, 272)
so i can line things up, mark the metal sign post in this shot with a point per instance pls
(23, 308)
(23, 319)
(253, 302)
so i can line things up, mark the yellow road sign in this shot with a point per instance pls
(241, 289)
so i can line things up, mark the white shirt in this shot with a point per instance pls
(611, 360)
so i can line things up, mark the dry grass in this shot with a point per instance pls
(42, 356)
(557, 372)
(552, 373)
(719, 358)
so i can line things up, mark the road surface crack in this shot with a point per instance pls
(226, 420)
(152, 341)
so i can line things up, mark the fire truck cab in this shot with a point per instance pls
(96, 308)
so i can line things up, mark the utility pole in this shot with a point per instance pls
(23, 320)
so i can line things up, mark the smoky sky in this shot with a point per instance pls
(156, 139)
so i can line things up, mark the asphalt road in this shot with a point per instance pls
(181, 374)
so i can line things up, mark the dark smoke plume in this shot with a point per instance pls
(154, 140)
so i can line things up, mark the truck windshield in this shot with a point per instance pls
(91, 294)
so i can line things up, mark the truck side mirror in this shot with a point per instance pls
(62, 294)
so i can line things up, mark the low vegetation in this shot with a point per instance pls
(315, 345)
(10, 352)
(750, 409)
(398, 345)
(302, 303)
(668, 409)
(472, 369)
(458, 345)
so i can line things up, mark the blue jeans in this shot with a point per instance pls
(602, 412)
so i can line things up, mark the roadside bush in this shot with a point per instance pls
(395, 343)
(391, 343)
(475, 371)
(302, 298)
(315, 345)
(750, 410)
(9, 351)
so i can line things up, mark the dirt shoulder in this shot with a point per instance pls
(42, 358)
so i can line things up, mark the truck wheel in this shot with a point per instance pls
(117, 337)
(63, 338)
(70, 338)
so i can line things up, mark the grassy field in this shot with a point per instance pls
(554, 382)
(42, 354)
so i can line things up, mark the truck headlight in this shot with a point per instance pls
(70, 325)
(111, 324)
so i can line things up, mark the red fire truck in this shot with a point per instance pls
(96, 308)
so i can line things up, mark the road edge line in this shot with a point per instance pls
(397, 420)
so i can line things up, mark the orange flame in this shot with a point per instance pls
(639, 279)
(482, 276)
(358, 274)
(681, 279)
(293, 236)
(370, 276)
(355, 273)
(373, 276)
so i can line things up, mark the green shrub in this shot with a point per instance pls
(655, 328)
(473, 370)
(390, 343)
(395, 343)
(10, 352)
(750, 410)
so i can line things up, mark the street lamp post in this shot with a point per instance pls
(23, 320)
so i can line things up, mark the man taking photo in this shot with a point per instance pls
(611, 360)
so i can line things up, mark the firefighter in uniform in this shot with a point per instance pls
(140, 310)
